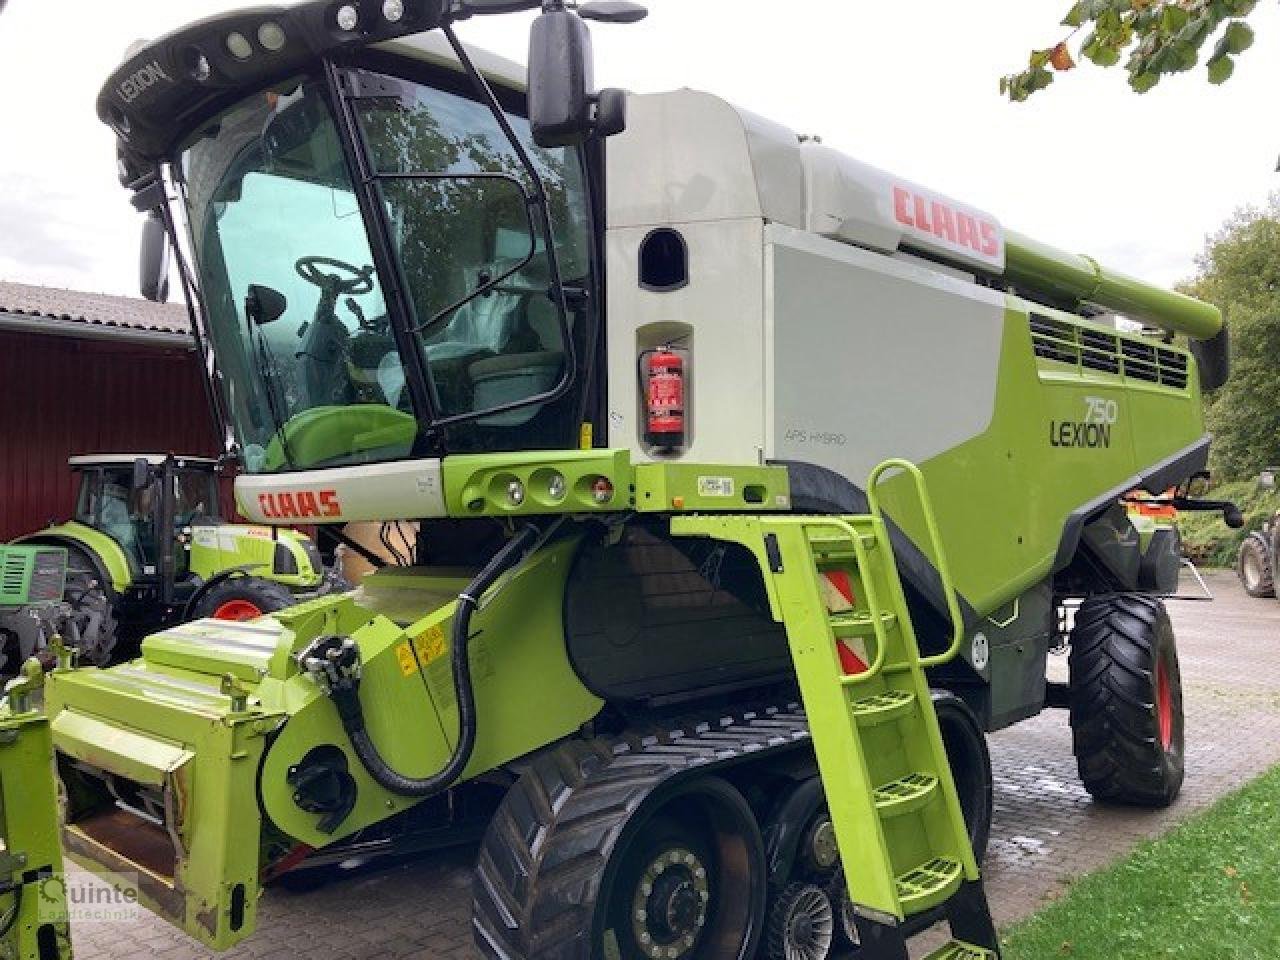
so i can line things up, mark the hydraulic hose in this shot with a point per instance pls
(346, 696)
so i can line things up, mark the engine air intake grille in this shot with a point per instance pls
(1088, 349)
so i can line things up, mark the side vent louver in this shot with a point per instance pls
(1089, 349)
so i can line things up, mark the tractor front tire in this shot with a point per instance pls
(1126, 700)
(1253, 566)
(243, 598)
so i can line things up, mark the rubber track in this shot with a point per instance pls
(540, 867)
(1113, 723)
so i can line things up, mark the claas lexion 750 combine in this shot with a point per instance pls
(752, 484)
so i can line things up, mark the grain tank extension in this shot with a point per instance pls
(752, 484)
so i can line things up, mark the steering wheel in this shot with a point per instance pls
(360, 279)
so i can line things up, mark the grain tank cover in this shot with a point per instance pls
(854, 202)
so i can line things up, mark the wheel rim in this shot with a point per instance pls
(1252, 571)
(237, 610)
(669, 907)
(690, 876)
(810, 926)
(1164, 706)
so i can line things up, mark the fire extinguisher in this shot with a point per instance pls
(664, 398)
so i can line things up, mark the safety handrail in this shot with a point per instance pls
(931, 525)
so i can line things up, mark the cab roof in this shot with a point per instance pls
(127, 459)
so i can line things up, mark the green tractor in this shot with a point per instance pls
(146, 549)
(1259, 558)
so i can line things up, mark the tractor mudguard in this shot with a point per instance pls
(110, 561)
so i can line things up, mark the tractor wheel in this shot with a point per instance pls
(1253, 566)
(1126, 700)
(244, 598)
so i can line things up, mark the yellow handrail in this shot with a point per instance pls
(931, 525)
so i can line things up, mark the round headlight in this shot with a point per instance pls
(271, 36)
(238, 46)
(348, 17)
(556, 487)
(393, 10)
(515, 492)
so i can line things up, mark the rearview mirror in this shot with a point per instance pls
(153, 260)
(564, 110)
(263, 304)
(141, 473)
(560, 79)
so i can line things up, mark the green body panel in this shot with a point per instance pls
(1079, 279)
(1003, 536)
(224, 546)
(193, 744)
(886, 779)
(668, 487)
(96, 542)
(193, 713)
(29, 829)
(479, 484)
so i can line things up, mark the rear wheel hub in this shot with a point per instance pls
(670, 905)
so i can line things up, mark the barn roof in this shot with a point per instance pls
(75, 312)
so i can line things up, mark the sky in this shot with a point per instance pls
(1137, 182)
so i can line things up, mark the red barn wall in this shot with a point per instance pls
(61, 396)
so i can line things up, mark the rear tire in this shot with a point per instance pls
(1126, 700)
(243, 598)
(970, 763)
(1253, 567)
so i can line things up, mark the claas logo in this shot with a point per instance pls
(946, 222)
(300, 505)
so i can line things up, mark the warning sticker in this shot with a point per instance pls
(430, 644)
(715, 486)
(404, 655)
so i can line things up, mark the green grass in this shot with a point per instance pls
(1208, 890)
(1210, 542)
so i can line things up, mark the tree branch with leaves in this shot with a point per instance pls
(1160, 36)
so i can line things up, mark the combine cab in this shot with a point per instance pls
(750, 481)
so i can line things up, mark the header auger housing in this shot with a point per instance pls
(656, 636)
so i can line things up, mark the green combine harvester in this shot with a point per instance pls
(752, 484)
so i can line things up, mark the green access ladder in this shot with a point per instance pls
(33, 908)
(833, 583)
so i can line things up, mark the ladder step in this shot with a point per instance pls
(883, 707)
(929, 884)
(959, 950)
(861, 624)
(906, 794)
(838, 544)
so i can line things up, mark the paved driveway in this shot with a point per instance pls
(1046, 829)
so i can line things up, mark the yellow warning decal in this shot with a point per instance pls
(405, 656)
(431, 644)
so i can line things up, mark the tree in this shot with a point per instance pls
(1240, 272)
(1161, 37)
